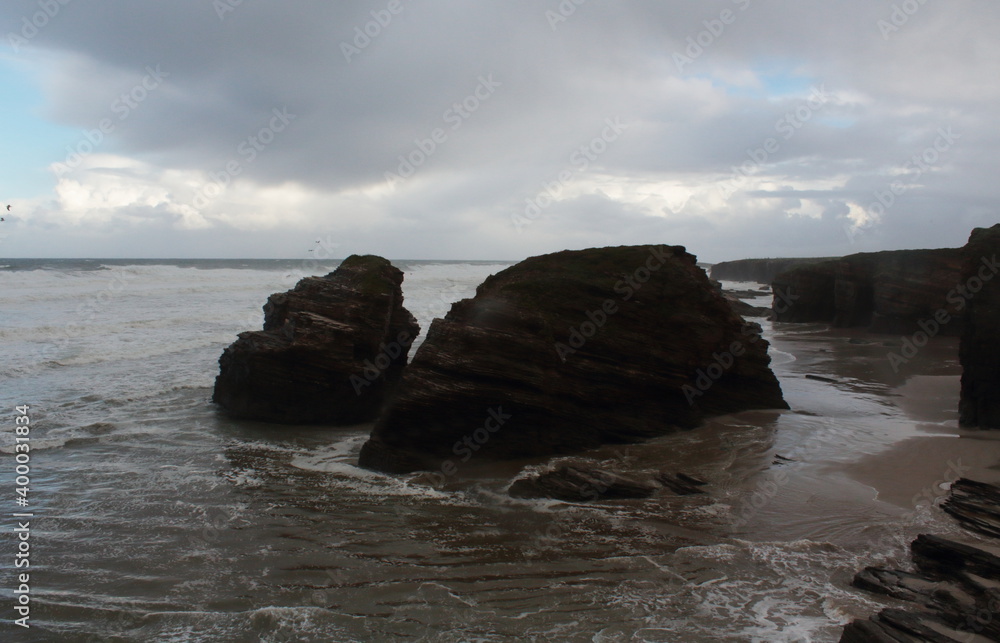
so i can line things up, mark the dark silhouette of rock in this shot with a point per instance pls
(580, 484)
(760, 270)
(884, 292)
(681, 483)
(331, 349)
(955, 584)
(568, 351)
(976, 505)
(979, 351)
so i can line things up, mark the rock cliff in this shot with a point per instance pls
(566, 351)
(760, 270)
(885, 292)
(331, 349)
(979, 352)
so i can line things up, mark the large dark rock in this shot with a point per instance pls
(331, 349)
(979, 352)
(884, 292)
(568, 351)
(760, 270)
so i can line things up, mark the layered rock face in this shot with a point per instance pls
(885, 292)
(567, 351)
(955, 588)
(760, 270)
(331, 349)
(979, 352)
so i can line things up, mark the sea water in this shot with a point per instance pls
(156, 518)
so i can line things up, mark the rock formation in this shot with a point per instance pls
(885, 292)
(956, 586)
(979, 352)
(760, 270)
(567, 351)
(330, 351)
(581, 484)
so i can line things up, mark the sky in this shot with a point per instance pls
(447, 129)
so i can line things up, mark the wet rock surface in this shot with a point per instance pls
(955, 587)
(331, 349)
(568, 351)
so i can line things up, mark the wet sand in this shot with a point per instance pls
(917, 470)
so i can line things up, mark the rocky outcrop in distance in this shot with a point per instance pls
(331, 349)
(895, 291)
(979, 352)
(760, 270)
(567, 351)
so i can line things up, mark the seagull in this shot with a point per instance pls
(8, 208)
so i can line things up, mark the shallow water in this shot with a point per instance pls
(156, 518)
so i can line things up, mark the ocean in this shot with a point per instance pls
(156, 518)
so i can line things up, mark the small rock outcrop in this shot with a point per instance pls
(955, 587)
(568, 351)
(979, 351)
(331, 349)
(581, 484)
(885, 292)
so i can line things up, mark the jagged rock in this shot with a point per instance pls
(330, 351)
(568, 351)
(979, 351)
(884, 292)
(901, 626)
(956, 584)
(580, 484)
(760, 270)
(976, 505)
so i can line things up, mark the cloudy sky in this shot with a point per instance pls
(449, 129)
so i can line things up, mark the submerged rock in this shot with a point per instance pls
(568, 351)
(580, 484)
(979, 351)
(330, 351)
(682, 484)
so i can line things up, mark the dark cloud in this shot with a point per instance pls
(702, 88)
